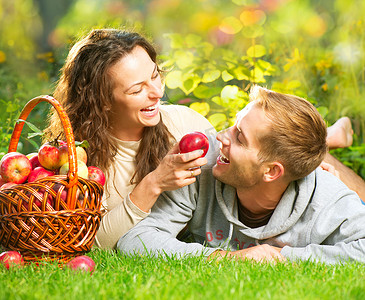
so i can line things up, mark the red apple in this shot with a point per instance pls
(52, 155)
(81, 154)
(96, 174)
(81, 263)
(38, 173)
(7, 185)
(33, 158)
(15, 167)
(11, 259)
(194, 141)
(82, 170)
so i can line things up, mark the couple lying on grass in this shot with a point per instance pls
(262, 196)
(265, 196)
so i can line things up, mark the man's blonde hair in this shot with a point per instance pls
(297, 137)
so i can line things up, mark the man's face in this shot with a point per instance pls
(238, 164)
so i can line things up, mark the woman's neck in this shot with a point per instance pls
(132, 134)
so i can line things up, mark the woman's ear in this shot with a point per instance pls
(273, 171)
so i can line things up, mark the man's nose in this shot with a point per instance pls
(224, 137)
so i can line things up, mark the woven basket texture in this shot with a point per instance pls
(53, 218)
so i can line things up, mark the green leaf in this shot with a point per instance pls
(293, 84)
(211, 75)
(256, 51)
(266, 67)
(11, 107)
(226, 76)
(192, 40)
(176, 40)
(34, 144)
(34, 134)
(217, 120)
(173, 79)
(84, 144)
(34, 128)
(229, 92)
(189, 83)
(241, 73)
(323, 111)
(184, 59)
(217, 100)
(253, 31)
(205, 92)
(206, 49)
(231, 25)
(202, 108)
(257, 75)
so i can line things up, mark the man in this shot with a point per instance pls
(268, 200)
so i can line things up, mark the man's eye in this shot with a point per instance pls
(239, 140)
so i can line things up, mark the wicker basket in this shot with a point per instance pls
(54, 218)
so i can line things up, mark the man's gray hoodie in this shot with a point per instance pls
(317, 218)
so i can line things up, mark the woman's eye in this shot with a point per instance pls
(136, 92)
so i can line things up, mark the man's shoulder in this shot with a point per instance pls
(330, 188)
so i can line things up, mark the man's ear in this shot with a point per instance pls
(273, 171)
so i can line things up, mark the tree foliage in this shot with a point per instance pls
(212, 51)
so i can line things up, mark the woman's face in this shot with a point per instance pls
(137, 92)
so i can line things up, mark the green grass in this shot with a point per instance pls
(123, 277)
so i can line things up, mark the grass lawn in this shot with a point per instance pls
(123, 277)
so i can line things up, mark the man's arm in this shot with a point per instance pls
(336, 234)
(157, 233)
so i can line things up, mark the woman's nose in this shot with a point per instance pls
(155, 90)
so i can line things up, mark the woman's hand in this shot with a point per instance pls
(176, 170)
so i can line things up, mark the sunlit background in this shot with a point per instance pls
(214, 50)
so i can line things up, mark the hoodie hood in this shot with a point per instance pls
(286, 214)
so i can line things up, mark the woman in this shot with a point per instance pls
(111, 88)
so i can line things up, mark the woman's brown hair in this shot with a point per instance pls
(85, 91)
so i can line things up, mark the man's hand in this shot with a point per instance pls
(260, 253)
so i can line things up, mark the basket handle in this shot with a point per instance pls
(72, 157)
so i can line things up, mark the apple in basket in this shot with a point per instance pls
(60, 189)
(11, 259)
(81, 154)
(81, 263)
(82, 170)
(96, 174)
(52, 155)
(15, 167)
(38, 173)
(33, 158)
(7, 185)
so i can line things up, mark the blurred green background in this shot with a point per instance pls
(214, 50)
